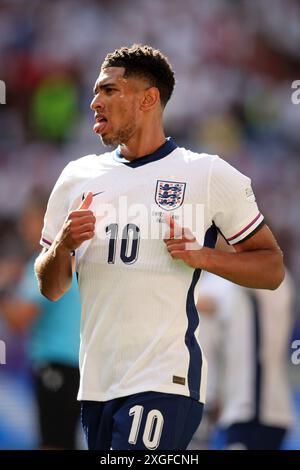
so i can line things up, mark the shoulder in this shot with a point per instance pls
(85, 166)
(216, 162)
(196, 159)
(222, 169)
(90, 161)
(195, 162)
(211, 165)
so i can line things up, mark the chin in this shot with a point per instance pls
(107, 140)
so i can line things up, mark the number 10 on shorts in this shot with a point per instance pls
(153, 427)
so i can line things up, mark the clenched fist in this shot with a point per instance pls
(79, 226)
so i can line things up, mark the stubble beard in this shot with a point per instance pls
(120, 137)
(123, 135)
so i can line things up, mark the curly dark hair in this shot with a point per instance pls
(146, 62)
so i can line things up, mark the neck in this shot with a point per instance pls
(143, 142)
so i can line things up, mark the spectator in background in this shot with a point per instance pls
(53, 338)
(245, 337)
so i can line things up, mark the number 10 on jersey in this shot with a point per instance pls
(129, 243)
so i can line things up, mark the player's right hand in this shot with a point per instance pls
(79, 225)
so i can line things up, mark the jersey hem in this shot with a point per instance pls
(96, 396)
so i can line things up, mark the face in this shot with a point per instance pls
(117, 105)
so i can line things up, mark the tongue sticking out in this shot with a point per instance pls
(99, 126)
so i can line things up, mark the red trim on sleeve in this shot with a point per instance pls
(46, 241)
(244, 229)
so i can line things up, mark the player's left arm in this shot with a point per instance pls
(257, 262)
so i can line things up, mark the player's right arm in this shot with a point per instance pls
(53, 267)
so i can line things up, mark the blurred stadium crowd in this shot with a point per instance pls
(234, 63)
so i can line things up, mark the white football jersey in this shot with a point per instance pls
(139, 327)
(246, 344)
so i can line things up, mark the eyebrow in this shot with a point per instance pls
(98, 87)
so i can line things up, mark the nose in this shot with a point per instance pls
(96, 103)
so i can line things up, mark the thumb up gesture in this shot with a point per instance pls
(79, 225)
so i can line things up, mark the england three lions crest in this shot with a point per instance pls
(169, 195)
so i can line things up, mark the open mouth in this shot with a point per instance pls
(100, 125)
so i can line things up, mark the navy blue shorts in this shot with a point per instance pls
(145, 421)
(254, 436)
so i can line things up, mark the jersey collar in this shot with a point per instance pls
(159, 153)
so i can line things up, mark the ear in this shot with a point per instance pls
(150, 98)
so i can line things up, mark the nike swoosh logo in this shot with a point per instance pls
(95, 194)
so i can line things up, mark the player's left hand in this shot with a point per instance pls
(182, 244)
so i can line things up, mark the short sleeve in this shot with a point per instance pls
(57, 208)
(232, 202)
